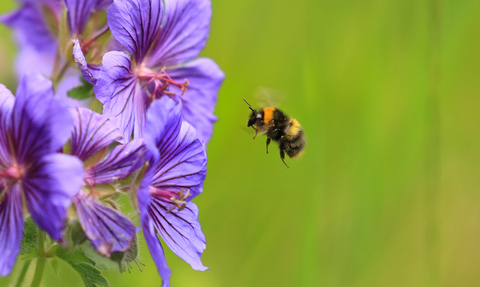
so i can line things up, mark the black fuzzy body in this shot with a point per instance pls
(277, 126)
(294, 145)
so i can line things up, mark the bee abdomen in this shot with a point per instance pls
(294, 144)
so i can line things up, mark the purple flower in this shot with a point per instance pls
(79, 12)
(163, 40)
(37, 42)
(90, 72)
(36, 24)
(33, 127)
(177, 169)
(107, 229)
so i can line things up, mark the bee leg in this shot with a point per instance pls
(282, 156)
(268, 142)
(256, 132)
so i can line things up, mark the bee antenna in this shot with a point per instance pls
(249, 104)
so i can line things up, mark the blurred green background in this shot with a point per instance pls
(388, 190)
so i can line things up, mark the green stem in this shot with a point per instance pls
(37, 278)
(38, 272)
(23, 273)
(59, 75)
(41, 243)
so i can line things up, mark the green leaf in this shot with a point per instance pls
(76, 233)
(117, 261)
(54, 263)
(98, 260)
(91, 276)
(30, 237)
(72, 255)
(32, 254)
(82, 92)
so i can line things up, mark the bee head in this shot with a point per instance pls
(254, 116)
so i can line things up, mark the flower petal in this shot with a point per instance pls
(11, 228)
(48, 186)
(141, 102)
(199, 101)
(114, 45)
(107, 229)
(143, 192)
(181, 160)
(164, 120)
(40, 123)
(180, 230)
(89, 72)
(78, 14)
(184, 32)
(123, 101)
(37, 44)
(120, 162)
(156, 251)
(91, 133)
(184, 166)
(6, 105)
(103, 4)
(135, 24)
(31, 60)
(30, 26)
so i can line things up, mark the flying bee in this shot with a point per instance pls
(277, 126)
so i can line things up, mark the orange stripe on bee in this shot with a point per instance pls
(268, 114)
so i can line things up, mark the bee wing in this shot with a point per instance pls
(267, 97)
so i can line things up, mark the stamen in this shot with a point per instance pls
(162, 80)
(177, 199)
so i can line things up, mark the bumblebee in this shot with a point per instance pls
(277, 126)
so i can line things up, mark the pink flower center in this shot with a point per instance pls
(13, 173)
(176, 198)
(161, 80)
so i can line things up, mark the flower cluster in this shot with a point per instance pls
(113, 102)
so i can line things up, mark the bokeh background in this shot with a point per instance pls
(388, 190)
